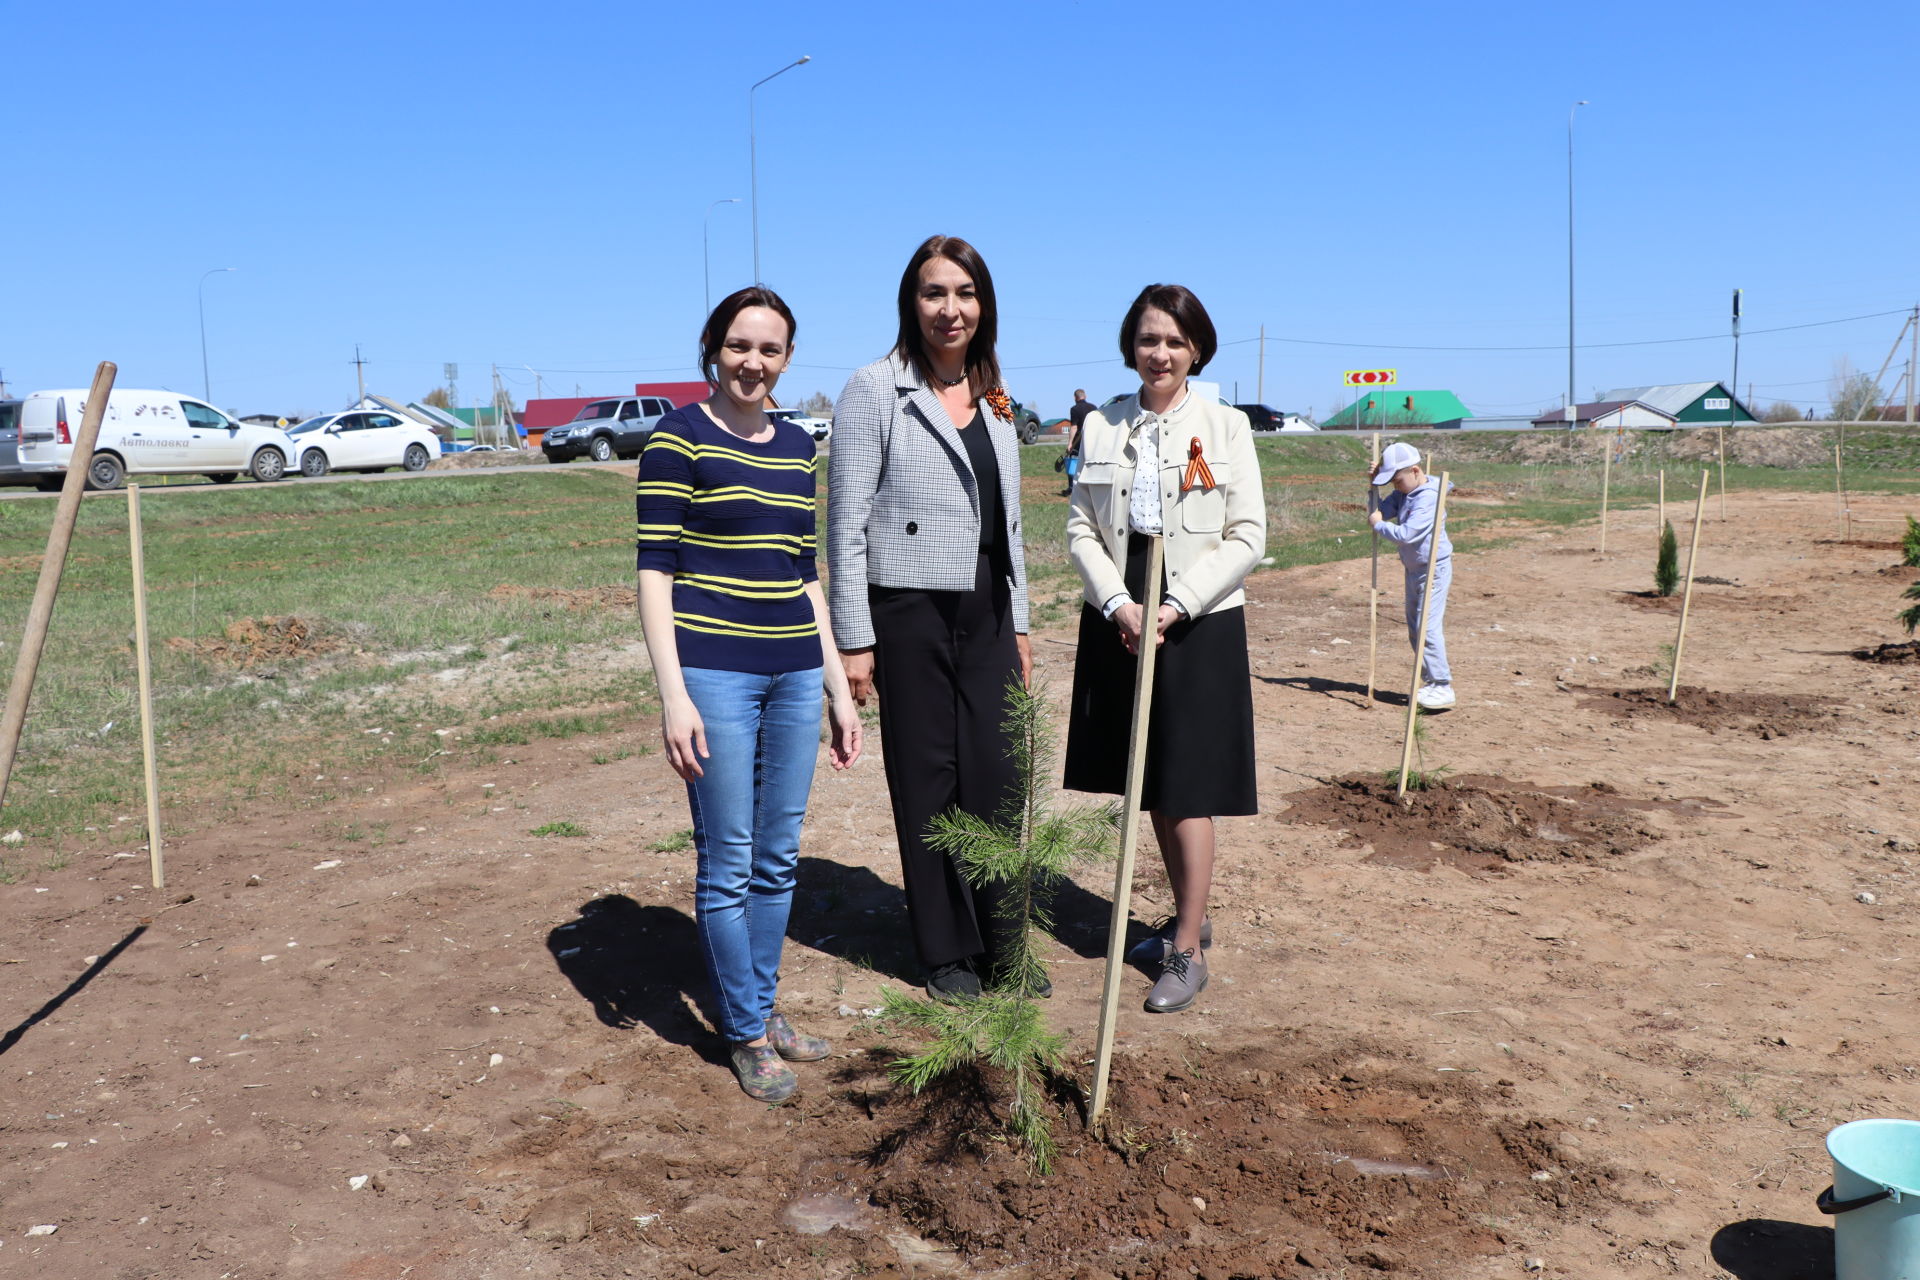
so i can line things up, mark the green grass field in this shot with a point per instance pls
(520, 584)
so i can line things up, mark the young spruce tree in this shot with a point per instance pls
(1028, 849)
(1910, 544)
(1910, 618)
(1666, 567)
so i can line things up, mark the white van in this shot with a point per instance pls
(147, 433)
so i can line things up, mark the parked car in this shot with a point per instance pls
(1266, 419)
(10, 472)
(1026, 423)
(605, 429)
(363, 440)
(147, 433)
(819, 428)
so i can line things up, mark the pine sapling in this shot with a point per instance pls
(1666, 568)
(1025, 851)
(1910, 618)
(1420, 778)
(1910, 544)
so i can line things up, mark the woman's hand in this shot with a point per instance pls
(1132, 621)
(858, 664)
(686, 736)
(1025, 646)
(843, 746)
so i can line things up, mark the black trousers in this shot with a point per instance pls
(942, 660)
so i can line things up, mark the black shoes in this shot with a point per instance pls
(954, 980)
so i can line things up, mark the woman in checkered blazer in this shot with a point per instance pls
(928, 584)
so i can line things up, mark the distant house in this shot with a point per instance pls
(1610, 415)
(1688, 403)
(1395, 409)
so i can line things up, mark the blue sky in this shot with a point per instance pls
(526, 185)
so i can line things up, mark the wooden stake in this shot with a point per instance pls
(1373, 592)
(1686, 598)
(1420, 644)
(1606, 485)
(1846, 505)
(1129, 835)
(1721, 436)
(1839, 503)
(1660, 513)
(156, 861)
(27, 663)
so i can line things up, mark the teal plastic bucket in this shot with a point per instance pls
(1875, 1200)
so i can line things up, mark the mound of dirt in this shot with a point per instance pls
(252, 641)
(604, 597)
(1481, 824)
(1769, 715)
(1906, 651)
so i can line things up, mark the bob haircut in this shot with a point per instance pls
(1177, 301)
(983, 365)
(713, 334)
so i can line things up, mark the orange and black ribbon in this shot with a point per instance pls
(1197, 469)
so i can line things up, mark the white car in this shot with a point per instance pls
(818, 428)
(146, 433)
(363, 440)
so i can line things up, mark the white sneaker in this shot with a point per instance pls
(1435, 697)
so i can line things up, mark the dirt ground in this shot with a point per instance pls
(1587, 1010)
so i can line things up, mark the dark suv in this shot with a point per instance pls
(1026, 423)
(1261, 417)
(605, 429)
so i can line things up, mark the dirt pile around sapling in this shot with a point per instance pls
(249, 642)
(1905, 651)
(1767, 715)
(1481, 824)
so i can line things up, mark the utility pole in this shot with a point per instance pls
(359, 371)
(1733, 388)
(1913, 360)
(1260, 387)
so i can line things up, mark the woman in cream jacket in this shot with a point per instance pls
(1167, 463)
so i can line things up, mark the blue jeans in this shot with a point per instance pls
(763, 733)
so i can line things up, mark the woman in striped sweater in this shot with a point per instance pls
(742, 649)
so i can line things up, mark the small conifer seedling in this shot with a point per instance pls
(1910, 618)
(1910, 544)
(1025, 851)
(1666, 568)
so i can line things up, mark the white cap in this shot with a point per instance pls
(1398, 457)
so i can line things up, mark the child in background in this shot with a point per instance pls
(1405, 518)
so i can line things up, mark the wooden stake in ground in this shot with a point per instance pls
(1373, 592)
(1606, 485)
(156, 861)
(1660, 512)
(1129, 835)
(52, 564)
(1686, 597)
(1721, 449)
(1420, 644)
(1839, 503)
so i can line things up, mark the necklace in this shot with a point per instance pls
(950, 382)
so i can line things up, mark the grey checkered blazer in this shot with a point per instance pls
(902, 506)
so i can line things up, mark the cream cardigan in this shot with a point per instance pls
(1214, 537)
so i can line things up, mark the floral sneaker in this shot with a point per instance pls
(793, 1045)
(763, 1077)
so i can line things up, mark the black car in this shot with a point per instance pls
(10, 472)
(1262, 417)
(1026, 423)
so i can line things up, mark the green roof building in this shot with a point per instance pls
(1392, 408)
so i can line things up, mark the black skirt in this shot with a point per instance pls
(1200, 730)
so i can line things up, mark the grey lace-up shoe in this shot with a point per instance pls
(1158, 945)
(1183, 976)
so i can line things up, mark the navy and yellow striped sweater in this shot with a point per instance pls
(733, 522)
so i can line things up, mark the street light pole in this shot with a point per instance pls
(206, 383)
(1571, 402)
(753, 159)
(706, 272)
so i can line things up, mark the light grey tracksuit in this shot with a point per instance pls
(1407, 521)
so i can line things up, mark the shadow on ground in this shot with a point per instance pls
(637, 965)
(1772, 1249)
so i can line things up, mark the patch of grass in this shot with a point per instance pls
(678, 842)
(561, 828)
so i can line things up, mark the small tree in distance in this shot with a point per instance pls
(1666, 566)
(438, 398)
(1026, 850)
(1781, 411)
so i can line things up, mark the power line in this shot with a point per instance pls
(1585, 346)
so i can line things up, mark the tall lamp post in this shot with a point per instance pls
(1571, 402)
(753, 159)
(706, 272)
(206, 383)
